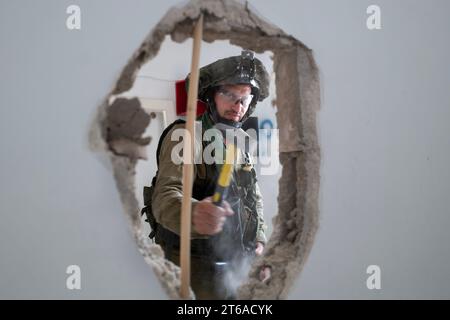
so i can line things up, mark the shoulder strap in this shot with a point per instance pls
(148, 191)
(165, 132)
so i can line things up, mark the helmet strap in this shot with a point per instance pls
(216, 118)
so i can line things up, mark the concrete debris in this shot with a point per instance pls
(298, 100)
(126, 121)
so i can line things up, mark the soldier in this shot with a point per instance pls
(221, 236)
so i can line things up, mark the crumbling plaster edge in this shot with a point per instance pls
(290, 257)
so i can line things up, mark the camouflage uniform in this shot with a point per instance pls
(240, 231)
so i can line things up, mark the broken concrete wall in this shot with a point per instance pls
(297, 101)
(125, 123)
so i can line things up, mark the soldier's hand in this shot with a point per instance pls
(208, 218)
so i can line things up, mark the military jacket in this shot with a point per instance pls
(167, 195)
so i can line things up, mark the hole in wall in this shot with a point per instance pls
(297, 102)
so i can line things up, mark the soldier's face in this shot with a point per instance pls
(232, 101)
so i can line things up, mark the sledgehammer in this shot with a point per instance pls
(225, 176)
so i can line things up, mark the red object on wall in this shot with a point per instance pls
(181, 100)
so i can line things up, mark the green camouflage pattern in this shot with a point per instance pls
(243, 69)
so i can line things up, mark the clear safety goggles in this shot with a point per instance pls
(232, 98)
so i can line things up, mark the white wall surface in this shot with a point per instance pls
(383, 130)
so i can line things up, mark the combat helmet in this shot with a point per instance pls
(243, 69)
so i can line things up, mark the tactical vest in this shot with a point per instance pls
(239, 231)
